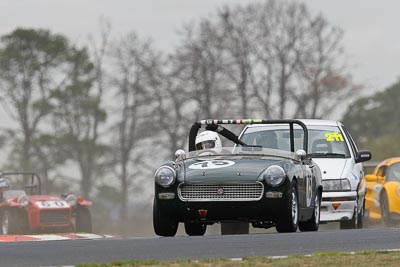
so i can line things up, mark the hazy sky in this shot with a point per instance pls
(371, 35)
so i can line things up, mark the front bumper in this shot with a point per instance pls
(338, 206)
(265, 209)
(238, 201)
(213, 212)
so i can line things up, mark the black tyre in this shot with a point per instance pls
(163, 224)
(387, 221)
(11, 222)
(236, 228)
(350, 224)
(193, 229)
(313, 223)
(83, 220)
(289, 220)
(366, 221)
(357, 221)
(361, 217)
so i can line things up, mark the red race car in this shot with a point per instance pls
(24, 209)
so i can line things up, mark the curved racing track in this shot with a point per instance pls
(70, 252)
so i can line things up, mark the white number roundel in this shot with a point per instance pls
(211, 164)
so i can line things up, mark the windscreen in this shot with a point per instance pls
(274, 137)
(327, 141)
(324, 141)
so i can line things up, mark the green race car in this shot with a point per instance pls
(250, 182)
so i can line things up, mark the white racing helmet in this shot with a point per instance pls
(208, 140)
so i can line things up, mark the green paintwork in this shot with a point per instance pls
(246, 169)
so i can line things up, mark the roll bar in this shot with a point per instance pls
(215, 125)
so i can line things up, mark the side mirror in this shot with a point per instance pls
(363, 155)
(374, 178)
(300, 154)
(371, 178)
(180, 155)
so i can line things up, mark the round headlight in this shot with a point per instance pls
(165, 176)
(274, 175)
(23, 201)
(71, 200)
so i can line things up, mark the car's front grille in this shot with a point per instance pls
(221, 192)
(54, 217)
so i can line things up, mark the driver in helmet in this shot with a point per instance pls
(4, 186)
(208, 140)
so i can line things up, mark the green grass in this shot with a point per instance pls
(326, 259)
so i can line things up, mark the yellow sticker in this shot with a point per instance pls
(331, 137)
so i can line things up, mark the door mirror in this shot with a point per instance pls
(371, 178)
(363, 155)
(180, 155)
(300, 154)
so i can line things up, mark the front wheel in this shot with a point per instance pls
(385, 212)
(354, 223)
(313, 223)
(289, 220)
(83, 220)
(361, 217)
(195, 229)
(163, 225)
(350, 224)
(357, 221)
(11, 222)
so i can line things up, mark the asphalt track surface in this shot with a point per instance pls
(71, 252)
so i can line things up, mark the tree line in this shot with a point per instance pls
(373, 121)
(98, 118)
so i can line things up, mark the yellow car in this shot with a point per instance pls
(382, 200)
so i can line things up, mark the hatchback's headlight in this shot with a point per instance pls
(71, 200)
(336, 185)
(23, 201)
(274, 175)
(165, 176)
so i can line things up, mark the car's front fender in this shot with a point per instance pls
(83, 202)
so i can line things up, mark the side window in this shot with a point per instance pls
(351, 141)
(382, 171)
(393, 173)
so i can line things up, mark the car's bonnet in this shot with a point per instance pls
(332, 168)
(233, 169)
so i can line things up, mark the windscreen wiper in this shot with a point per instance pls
(327, 155)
